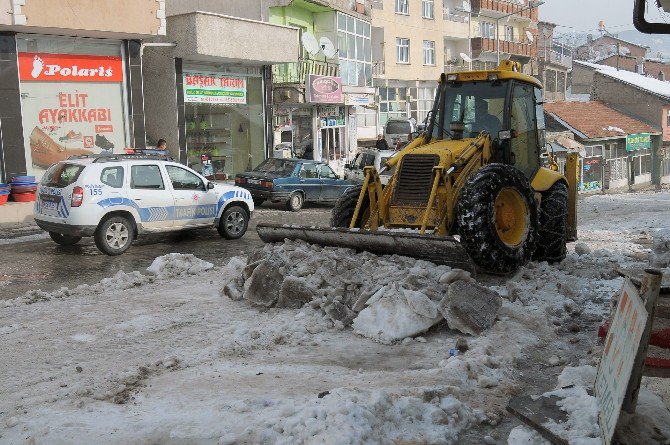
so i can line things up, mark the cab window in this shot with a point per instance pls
(524, 143)
(146, 177)
(182, 179)
(308, 171)
(327, 172)
(112, 176)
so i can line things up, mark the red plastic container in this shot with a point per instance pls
(3, 199)
(23, 197)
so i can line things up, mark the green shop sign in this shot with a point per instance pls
(214, 88)
(638, 141)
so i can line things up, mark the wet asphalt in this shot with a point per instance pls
(30, 260)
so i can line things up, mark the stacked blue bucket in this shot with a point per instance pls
(23, 188)
(4, 192)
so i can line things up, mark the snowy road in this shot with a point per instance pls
(30, 260)
(140, 359)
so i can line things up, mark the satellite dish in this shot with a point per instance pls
(530, 36)
(466, 6)
(327, 47)
(466, 58)
(310, 44)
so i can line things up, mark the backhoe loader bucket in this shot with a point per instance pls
(439, 250)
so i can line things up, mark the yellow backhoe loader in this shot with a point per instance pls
(475, 172)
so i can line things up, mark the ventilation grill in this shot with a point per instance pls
(415, 179)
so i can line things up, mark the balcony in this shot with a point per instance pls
(456, 26)
(485, 45)
(379, 69)
(297, 72)
(549, 56)
(497, 8)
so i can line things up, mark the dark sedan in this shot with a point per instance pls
(293, 181)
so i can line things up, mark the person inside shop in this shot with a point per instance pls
(161, 145)
(308, 153)
(381, 143)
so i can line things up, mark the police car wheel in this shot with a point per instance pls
(233, 223)
(64, 240)
(295, 202)
(114, 235)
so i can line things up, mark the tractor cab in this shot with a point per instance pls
(505, 104)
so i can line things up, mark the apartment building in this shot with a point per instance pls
(555, 61)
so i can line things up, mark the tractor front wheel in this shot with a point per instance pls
(552, 233)
(497, 218)
(345, 207)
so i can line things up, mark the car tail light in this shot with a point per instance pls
(267, 184)
(240, 181)
(77, 197)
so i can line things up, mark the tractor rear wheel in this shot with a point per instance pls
(552, 233)
(345, 207)
(497, 218)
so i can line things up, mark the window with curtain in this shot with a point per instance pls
(402, 6)
(428, 9)
(402, 46)
(428, 52)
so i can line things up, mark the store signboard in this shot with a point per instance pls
(44, 67)
(72, 104)
(616, 364)
(324, 89)
(360, 100)
(214, 88)
(640, 141)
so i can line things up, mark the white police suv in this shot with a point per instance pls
(115, 198)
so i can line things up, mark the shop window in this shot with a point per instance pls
(146, 177)
(112, 176)
(224, 121)
(84, 112)
(183, 179)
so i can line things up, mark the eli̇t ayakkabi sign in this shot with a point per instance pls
(640, 141)
(616, 364)
(214, 88)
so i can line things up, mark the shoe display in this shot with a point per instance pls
(71, 136)
(45, 151)
(102, 142)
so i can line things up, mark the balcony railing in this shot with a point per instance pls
(554, 57)
(297, 72)
(378, 69)
(459, 18)
(482, 44)
(502, 7)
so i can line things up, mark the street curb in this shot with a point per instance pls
(16, 213)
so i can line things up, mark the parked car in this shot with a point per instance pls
(397, 130)
(293, 181)
(365, 158)
(115, 198)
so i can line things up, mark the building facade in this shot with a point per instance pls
(619, 152)
(210, 96)
(555, 61)
(325, 100)
(72, 83)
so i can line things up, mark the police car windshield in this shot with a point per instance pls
(275, 165)
(61, 175)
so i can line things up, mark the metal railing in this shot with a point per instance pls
(483, 44)
(378, 68)
(459, 18)
(501, 6)
(297, 72)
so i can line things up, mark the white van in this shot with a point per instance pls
(365, 158)
(398, 130)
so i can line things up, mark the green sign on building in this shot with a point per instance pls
(640, 141)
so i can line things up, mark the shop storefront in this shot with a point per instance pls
(592, 169)
(73, 98)
(223, 119)
(638, 147)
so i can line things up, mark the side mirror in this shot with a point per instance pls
(210, 186)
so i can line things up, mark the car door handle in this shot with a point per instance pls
(137, 199)
(302, 180)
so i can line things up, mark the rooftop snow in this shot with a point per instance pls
(649, 84)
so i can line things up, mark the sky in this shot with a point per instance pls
(584, 15)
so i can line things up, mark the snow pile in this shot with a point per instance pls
(373, 417)
(387, 298)
(176, 264)
(660, 252)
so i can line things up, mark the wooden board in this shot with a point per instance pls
(536, 412)
(635, 274)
